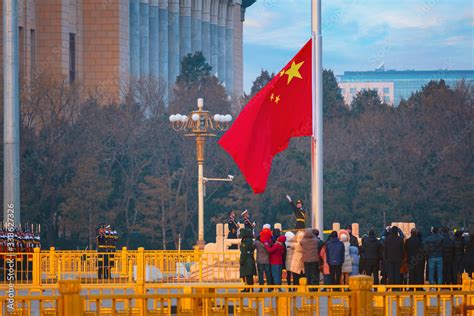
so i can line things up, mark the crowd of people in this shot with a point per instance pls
(18, 241)
(440, 258)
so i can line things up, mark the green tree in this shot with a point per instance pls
(194, 67)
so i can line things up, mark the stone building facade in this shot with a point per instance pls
(105, 43)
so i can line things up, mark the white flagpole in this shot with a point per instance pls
(317, 137)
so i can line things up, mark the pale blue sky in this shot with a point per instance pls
(361, 34)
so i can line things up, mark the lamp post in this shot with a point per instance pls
(200, 124)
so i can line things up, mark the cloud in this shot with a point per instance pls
(360, 34)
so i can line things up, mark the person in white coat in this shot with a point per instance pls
(290, 241)
(296, 265)
(347, 265)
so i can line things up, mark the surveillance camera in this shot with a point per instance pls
(231, 177)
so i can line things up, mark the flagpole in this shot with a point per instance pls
(317, 105)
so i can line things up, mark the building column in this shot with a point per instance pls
(184, 29)
(221, 40)
(154, 39)
(135, 38)
(229, 50)
(214, 35)
(237, 57)
(144, 38)
(196, 23)
(163, 54)
(173, 42)
(206, 30)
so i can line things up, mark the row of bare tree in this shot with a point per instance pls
(84, 162)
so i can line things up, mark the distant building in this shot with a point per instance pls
(104, 43)
(393, 85)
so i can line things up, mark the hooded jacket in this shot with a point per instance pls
(262, 253)
(433, 246)
(372, 248)
(334, 251)
(290, 241)
(276, 251)
(355, 259)
(297, 265)
(310, 243)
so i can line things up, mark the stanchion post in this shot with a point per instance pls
(198, 259)
(140, 281)
(303, 285)
(70, 303)
(283, 305)
(37, 269)
(468, 286)
(124, 261)
(361, 293)
(52, 262)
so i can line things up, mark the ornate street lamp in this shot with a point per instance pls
(201, 124)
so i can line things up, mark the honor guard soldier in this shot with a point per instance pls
(300, 213)
(247, 223)
(233, 228)
(102, 250)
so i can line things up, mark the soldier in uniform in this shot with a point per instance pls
(233, 227)
(300, 213)
(247, 222)
(101, 249)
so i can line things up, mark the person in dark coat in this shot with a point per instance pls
(233, 227)
(469, 257)
(300, 213)
(310, 245)
(393, 256)
(459, 251)
(247, 261)
(448, 258)
(433, 247)
(415, 257)
(335, 257)
(263, 263)
(371, 254)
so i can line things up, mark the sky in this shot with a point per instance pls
(361, 34)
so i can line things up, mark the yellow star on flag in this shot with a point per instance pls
(271, 97)
(294, 71)
(277, 99)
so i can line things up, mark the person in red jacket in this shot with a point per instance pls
(276, 252)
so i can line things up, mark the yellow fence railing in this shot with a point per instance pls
(359, 298)
(46, 268)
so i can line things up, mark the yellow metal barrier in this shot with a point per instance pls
(125, 266)
(359, 298)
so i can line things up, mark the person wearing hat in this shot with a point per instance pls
(352, 239)
(233, 227)
(300, 213)
(247, 260)
(247, 223)
(101, 249)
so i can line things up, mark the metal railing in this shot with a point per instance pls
(359, 298)
(46, 268)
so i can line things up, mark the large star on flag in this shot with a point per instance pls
(294, 71)
(265, 126)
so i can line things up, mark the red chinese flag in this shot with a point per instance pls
(280, 111)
